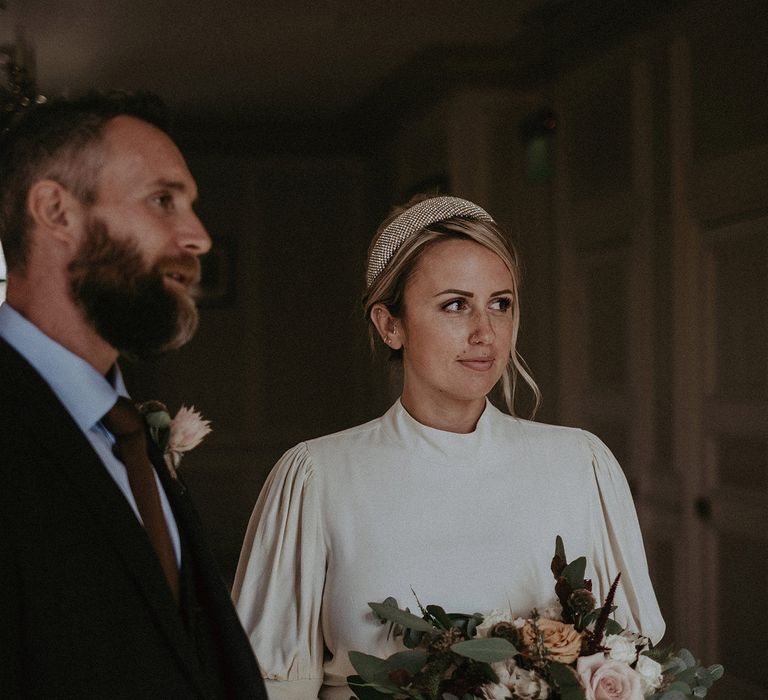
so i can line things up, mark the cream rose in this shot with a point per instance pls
(562, 641)
(517, 682)
(606, 679)
(529, 685)
(620, 648)
(491, 620)
(502, 689)
(496, 691)
(650, 671)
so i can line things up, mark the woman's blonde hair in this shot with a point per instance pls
(388, 287)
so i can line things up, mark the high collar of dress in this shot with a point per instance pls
(440, 445)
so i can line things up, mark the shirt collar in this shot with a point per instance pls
(85, 393)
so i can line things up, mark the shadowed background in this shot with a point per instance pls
(622, 144)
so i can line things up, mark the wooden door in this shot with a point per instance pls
(662, 222)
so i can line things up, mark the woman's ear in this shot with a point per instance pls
(389, 327)
(56, 210)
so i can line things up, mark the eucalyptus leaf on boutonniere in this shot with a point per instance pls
(174, 436)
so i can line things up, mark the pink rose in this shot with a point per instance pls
(605, 679)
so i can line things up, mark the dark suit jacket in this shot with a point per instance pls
(84, 609)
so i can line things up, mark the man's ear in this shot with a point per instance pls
(387, 325)
(54, 208)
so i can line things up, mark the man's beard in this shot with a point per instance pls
(126, 301)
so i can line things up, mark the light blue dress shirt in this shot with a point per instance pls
(86, 395)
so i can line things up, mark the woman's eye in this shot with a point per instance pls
(501, 304)
(454, 305)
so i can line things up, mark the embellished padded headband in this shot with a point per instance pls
(414, 219)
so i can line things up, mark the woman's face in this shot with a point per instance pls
(456, 329)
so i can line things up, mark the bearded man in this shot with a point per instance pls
(107, 589)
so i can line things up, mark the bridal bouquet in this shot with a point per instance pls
(577, 652)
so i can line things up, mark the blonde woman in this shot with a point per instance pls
(443, 494)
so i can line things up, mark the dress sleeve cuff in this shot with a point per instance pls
(305, 689)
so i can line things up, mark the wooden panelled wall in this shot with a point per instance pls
(645, 300)
(662, 223)
(283, 356)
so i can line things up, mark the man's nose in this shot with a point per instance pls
(193, 237)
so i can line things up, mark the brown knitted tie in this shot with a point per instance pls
(125, 423)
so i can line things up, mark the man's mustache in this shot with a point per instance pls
(185, 268)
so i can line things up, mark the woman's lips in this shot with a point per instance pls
(478, 364)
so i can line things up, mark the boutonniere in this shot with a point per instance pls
(174, 436)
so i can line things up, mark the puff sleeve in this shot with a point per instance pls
(278, 586)
(618, 546)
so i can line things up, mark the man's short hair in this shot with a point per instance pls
(59, 140)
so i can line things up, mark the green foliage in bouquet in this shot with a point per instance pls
(687, 679)
(443, 657)
(455, 656)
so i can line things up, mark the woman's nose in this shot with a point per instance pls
(482, 330)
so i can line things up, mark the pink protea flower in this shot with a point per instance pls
(188, 428)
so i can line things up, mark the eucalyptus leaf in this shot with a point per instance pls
(471, 627)
(376, 671)
(686, 657)
(560, 549)
(573, 693)
(464, 616)
(412, 661)
(613, 627)
(674, 666)
(489, 650)
(400, 617)
(365, 692)
(680, 686)
(702, 678)
(688, 676)
(158, 419)
(439, 615)
(389, 602)
(574, 573)
(412, 638)
(485, 671)
(716, 672)
(567, 682)
(367, 666)
(674, 695)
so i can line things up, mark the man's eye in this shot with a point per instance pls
(164, 201)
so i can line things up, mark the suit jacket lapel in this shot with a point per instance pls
(68, 450)
(244, 678)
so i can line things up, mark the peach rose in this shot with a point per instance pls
(562, 641)
(605, 679)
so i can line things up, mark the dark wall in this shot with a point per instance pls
(281, 354)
